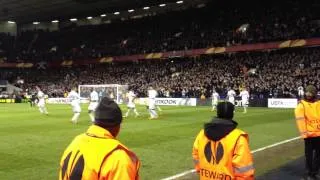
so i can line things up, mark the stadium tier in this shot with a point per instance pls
(210, 26)
(266, 74)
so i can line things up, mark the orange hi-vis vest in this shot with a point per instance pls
(95, 155)
(227, 159)
(308, 118)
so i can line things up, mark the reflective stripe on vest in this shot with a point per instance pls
(300, 118)
(215, 157)
(244, 169)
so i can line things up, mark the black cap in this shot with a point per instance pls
(225, 110)
(108, 113)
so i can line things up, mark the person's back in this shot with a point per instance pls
(96, 154)
(309, 112)
(221, 151)
(308, 121)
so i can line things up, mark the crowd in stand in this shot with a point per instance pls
(266, 74)
(274, 73)
(214, 25)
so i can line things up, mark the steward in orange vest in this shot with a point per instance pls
(221, 151)
(307, 115)
(96, 154)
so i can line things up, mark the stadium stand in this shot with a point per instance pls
(269, 74)
(182, 30)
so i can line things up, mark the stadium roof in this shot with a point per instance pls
(31, 10)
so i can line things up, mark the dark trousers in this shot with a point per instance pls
(32, 102)
(312, 154)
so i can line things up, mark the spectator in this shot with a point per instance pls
(221, 150)
(181, 30)
(275, 75)
(105, 157)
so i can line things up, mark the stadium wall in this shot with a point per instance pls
(270, 102)
(170, 101)
(282, 103)
(253, 102)
(140, 101)
(64, 101)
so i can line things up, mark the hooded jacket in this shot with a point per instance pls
(221, 151)
(219, 128)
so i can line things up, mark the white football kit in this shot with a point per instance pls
(244, 97)
(131, 105)
(300, 91)
(231, 96)
(131, 97)
(41, 97)
(42, 102)
(152, 94)
(75, 101)
(215, 97)
(94, 98)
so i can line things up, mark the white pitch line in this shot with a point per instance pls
(179, 175)
(254, 151)
(275, 144)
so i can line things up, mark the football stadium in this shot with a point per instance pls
(164, 90)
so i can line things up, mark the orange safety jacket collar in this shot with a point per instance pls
(99, 132)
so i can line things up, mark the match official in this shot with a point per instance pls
(221, 151)
(96, 154)
(307, 115)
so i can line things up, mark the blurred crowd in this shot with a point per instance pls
(265, 74)
(217, 24)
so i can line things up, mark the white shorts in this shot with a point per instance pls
(93, 106)
(245, 103)
(231, 100)
(131, 105)
(214, 102)
(300, 93)
(76, 108)
(152, 104)
(41, 103)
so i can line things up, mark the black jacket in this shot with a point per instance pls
(219, 128)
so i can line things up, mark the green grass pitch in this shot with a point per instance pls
(31, 144)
